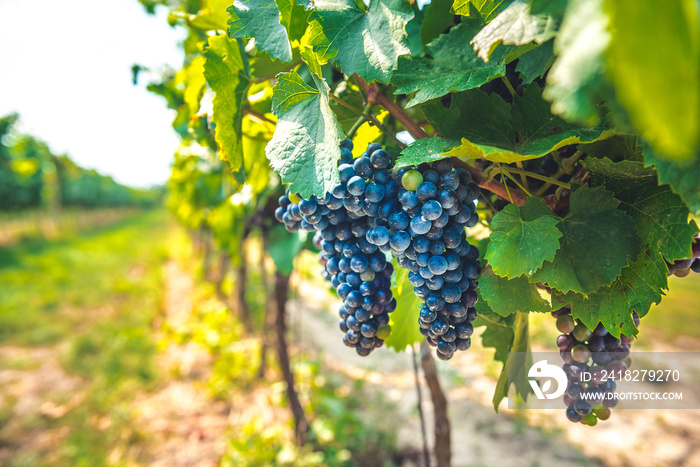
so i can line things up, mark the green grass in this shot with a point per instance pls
(93, 298)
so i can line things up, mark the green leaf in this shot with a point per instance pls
(644, 282)
(454, 66)
(575, 82)
(616, 148)
(599, 240)
(535, 63)
(492, 129)
(229, 77)
(437, 20)
(512, 346)
(212, 16)
(547, 7)
(660, 216)
(363, 41)
(683, 177)
(608, 306)
(425, 150)
(515, 26)
(260, 19)
(507, 296)
(404, 320)
(654, 62)
(305, 147)
(487, 9)
(283, 247)
(293, 16)
(522, 238)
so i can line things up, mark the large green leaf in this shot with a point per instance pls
(487, 9)
(552, 7)
(228, 76)
(260, 19)
(522, 238)
(436, 21)
(363, 41)
(654, 62)
(660, 216)
(293, 16)
(491, 128)
(404, 320)
(514, 26)
(305, 147)
(453, 66)
(575, 82)
(535, 63)
(507, 296)
(682, 176)
(599, 240)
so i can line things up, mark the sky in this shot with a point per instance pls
(65, 68)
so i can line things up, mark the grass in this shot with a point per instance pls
(93, 298)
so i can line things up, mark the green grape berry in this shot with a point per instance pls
(582, 333)
(602, 413)
(580, 353)
(294, 198)
(411, 180)
(384, 332)
(590, 420)
(565, 324)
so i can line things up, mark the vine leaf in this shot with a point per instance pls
(229, 77)
(575, 81)
(305, 147)
(512, 345)
(682, 177)
(535, 63)
(212, 16)
(507, 296)
(453, 67)
(404, 320)
(437, 19)
(363, 41)
(660, 216)
(514, 26)
(260, 19)
(487, 9)
(492, 129)
(425, 150)
(644, 282)
(599, 240)
(652, 45)
(284, 247)
(522, 238)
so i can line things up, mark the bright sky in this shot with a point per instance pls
(65, 67)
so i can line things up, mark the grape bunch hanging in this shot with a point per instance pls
(598, 353)
(419, 215)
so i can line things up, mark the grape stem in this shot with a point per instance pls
(374, 95)
(365, 115)
(509, 86)
(567, 166)
(258, 115)
(551, 181)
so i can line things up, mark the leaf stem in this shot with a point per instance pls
(345, 104)
(537, 176)
(363, 118)
(509, 86)
(505, 172)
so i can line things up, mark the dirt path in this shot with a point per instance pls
(186, 428)
(481, 437)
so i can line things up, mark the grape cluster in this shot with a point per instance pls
(424, 229)
(358, 270)
(597, 354)
(682, 267)
(419, 215)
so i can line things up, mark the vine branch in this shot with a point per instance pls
(375, 95)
